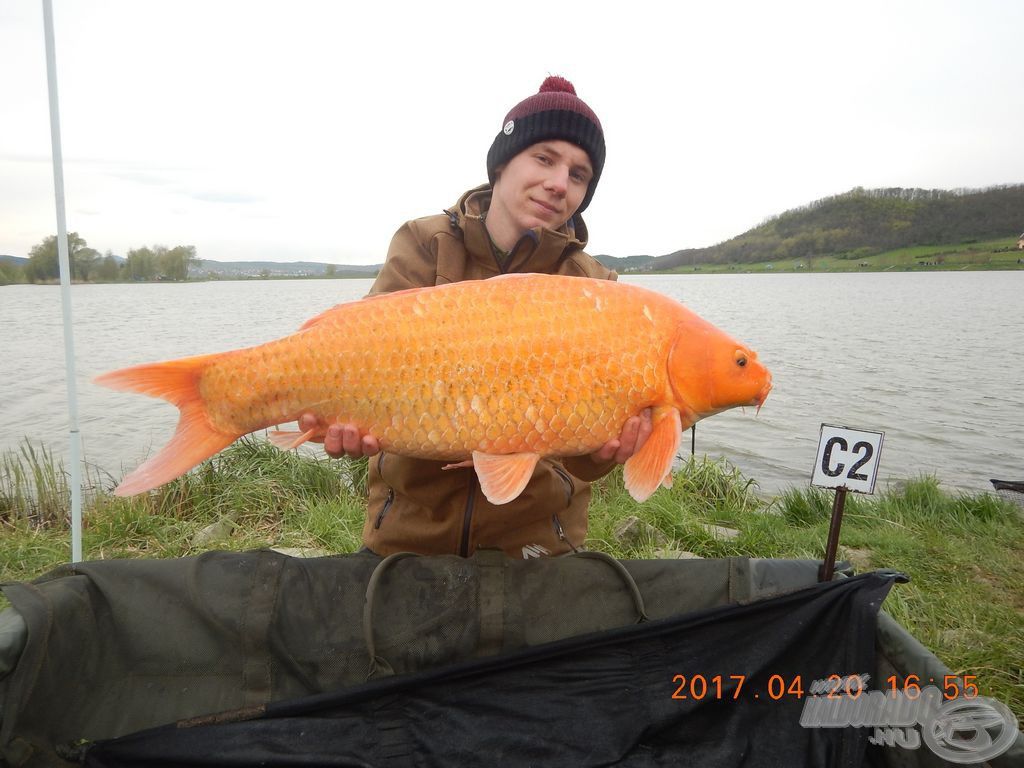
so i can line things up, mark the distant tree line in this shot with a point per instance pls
(863, 222)
(11, 273)
(147, 263)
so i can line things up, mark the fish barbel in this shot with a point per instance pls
(500, 371)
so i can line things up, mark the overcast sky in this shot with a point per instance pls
(310, 131)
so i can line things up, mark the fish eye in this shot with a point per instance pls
(741, 358)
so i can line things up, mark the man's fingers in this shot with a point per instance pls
(333, 441)
(646, 426)
(341, 439)
(370, 445)
(634, 434)
(352, 440)
(627, 439)
(307, 422)
(605, 452)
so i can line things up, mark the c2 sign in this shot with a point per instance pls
(847, 458)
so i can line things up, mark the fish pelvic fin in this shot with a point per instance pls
(286, 440)
(194, 440)
(503, 477)
(459, 465)
(651, 466)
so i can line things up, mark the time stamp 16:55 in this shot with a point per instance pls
(777, 687)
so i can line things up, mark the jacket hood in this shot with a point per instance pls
(548, 245)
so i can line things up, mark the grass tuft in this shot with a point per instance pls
(805, 507)
(33, 486)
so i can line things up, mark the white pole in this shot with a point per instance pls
(65, 287)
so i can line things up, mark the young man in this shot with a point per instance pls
(543, 168)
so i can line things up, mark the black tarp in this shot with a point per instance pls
(110, 647)
(602, 699)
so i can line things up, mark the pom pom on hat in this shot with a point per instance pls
(554, 112)
(556, 83)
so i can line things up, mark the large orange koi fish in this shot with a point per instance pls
(500, 372)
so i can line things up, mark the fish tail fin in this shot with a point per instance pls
(176, 381)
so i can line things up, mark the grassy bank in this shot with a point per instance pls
(989, 255)
(965, 600)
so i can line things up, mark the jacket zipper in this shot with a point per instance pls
(467, 516)
(510, 256)
(561, 533)
(389, 500)
(384, 510)
(570, 490)
(570, 486)
(497, 259)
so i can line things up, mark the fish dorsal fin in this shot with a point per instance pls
(503, 477)
(651, 466)
(330, 314)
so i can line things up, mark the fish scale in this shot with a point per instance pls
(520, 365)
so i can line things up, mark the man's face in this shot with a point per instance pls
(542, 186)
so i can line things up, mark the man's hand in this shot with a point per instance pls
(341, 439)
(634, 434)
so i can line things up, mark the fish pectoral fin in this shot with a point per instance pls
(651, 466)
(286, 440)
(504, 476)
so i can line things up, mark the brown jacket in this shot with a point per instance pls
(414, 505)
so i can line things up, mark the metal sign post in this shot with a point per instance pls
(829, 566)
(847, 460)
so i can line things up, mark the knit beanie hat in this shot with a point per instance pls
(554, 112)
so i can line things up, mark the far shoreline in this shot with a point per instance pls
(709, 269)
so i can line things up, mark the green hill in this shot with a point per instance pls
(863, 223)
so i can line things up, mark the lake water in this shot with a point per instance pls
(931, 359)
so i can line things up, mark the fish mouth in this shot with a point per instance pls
(762, 396)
